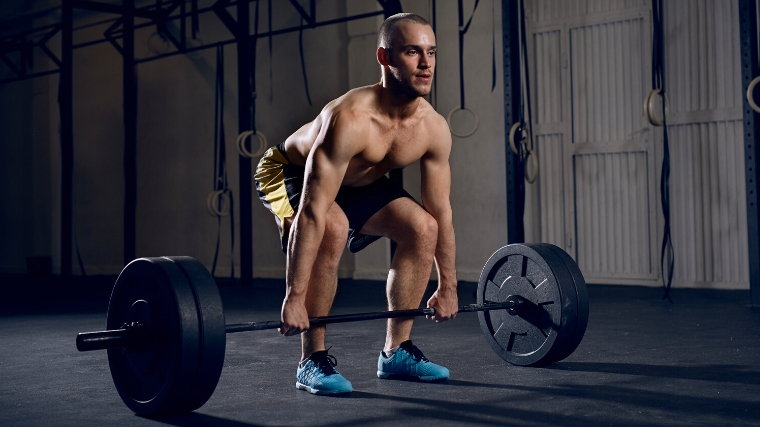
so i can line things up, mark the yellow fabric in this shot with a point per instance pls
(270, 181)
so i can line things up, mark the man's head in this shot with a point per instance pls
(406, 50)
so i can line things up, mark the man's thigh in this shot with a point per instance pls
(361, 203)
(396, 218)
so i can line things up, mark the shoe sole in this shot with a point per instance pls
(385, 375)
(320, 392)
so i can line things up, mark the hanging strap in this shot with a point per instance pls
(526, 73)
(269, 28)
(303, 63)
(526, 149)
(658, 82)
(493, 45)
(462, 31)
(194, 21)
(221, 184)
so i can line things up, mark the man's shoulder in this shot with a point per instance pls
(352, 104)
(432, 116)
(435, 123)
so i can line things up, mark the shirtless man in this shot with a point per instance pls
(327, 181)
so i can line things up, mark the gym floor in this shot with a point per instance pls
(642, 362)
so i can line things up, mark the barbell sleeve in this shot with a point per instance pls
(101, 340)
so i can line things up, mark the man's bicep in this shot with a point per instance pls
(327, 164)
(436, 183)
(324, 175)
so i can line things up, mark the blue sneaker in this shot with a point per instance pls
(408, 361)
(317, 375)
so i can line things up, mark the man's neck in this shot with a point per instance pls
(395, 104)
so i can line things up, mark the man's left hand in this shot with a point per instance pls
(445, 305)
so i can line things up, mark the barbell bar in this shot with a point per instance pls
(165, 329)
(138, 335)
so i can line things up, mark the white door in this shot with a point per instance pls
(597, 190)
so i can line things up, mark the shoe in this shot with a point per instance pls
(408, 361)
(317, 375)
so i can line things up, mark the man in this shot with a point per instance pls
(327, 181)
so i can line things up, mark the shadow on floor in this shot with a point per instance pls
(720, 373)
(196, 419)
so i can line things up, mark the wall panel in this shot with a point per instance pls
(707, 155)
(612, 210)
(545, 10)
(709, 213)
(551, 191)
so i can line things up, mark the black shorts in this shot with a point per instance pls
(280, 184)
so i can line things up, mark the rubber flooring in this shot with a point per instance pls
(642, 362)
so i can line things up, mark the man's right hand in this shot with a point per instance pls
(294, 317)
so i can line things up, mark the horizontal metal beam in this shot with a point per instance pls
(115, 35)
(30, 76)
(263, 35)
(112, 8)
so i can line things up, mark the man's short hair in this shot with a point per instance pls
(388, 30)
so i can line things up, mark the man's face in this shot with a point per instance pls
(412, 59)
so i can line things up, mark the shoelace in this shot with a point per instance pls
(416, 354)
(327, 364)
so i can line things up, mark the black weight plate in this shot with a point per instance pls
(582, 295)
(570, 299)
(157, 379)
(212, 329)
(536, 335)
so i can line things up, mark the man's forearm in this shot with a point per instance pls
(303, 246)
(445, 255)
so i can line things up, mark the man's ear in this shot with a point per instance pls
(383, 56)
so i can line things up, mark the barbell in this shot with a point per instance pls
(165, 325)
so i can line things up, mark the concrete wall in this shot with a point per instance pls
(175, 140)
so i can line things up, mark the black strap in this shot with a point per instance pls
(194, 21)
(522, 153)
(221, 182)
(269, 28)
(493, 45)
(526, 72)
(658, 82)
(303, 63)
(462, 31)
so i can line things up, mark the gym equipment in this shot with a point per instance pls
(650, 107)
(463, 134)
(166, 330)
(554, 316)
(244, 151)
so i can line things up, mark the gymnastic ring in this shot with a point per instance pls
(512, 132)
(512, 137)
(263, 144)
(211, 203)
(649, 107)
(534, 159)
(474, 128)
(750, 89)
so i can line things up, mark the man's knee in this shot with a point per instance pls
(334, 239)
(422, 232)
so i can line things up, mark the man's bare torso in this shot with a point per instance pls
(388, 143)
